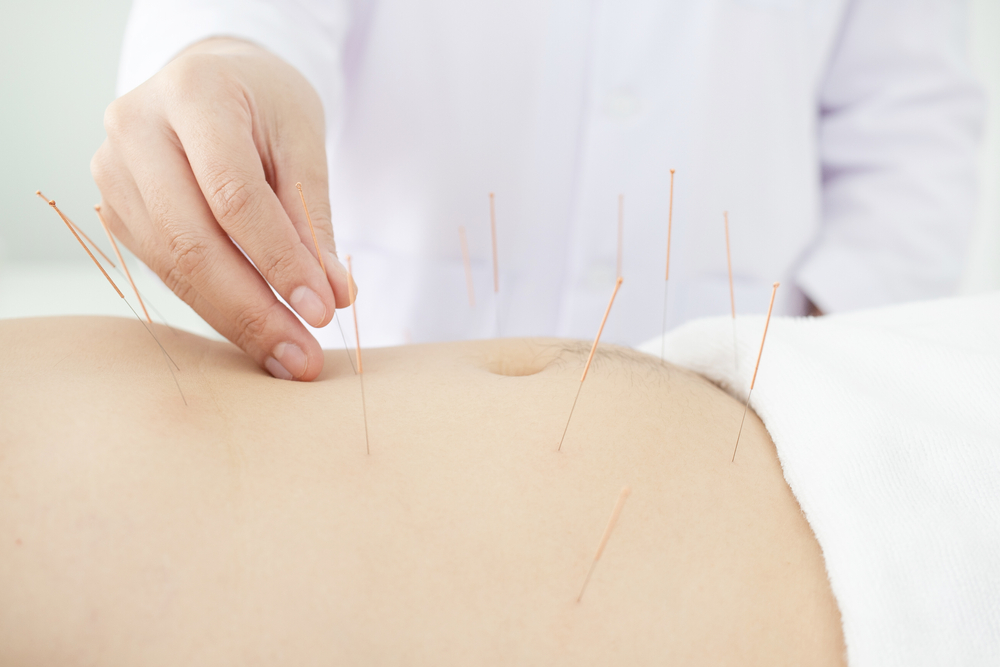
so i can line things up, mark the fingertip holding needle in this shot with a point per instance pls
(590, 358)
(312, 230)
(622, 497)
(357, 351)
(767, 323)
(322, 265)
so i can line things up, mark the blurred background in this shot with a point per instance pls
(58, 64)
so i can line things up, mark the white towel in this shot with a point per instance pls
(887, 424)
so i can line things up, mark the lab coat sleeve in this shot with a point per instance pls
(308, 34)
(899, 128)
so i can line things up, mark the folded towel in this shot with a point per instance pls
(887, 424)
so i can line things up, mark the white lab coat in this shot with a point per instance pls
(841, 136)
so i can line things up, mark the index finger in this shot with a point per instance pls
(220, 146)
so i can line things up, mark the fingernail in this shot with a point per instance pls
(291, 359)
(308, 304)
(342, 274)
(276, 369)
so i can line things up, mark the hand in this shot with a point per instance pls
(207, 153)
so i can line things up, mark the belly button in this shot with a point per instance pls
(513, 368)
(518, 359)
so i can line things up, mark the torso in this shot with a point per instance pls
(251, 526)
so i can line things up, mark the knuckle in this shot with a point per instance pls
(189, 253)
(174, 279)
(118, 117)
(278, 267)
(252, 325)
(324, 226)
(99, 167)
(193, 77)
(188, 75)
(230, 197)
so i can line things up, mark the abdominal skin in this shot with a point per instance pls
(251, 526)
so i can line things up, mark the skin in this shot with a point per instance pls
(251, 527)
(210, 149)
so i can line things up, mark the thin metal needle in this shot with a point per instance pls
(80, 232)
(666, 280)
(118, 254)
(468, 266)
(357, 350)
(126, 273)
(590, 358)
(322, 265)
(346, 347)
(153, 335)
(622, 497)
(732, 296)
(73, 231)
(496, 265)
(166, 356)
(767, 323)
(570, 418)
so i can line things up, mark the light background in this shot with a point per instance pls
(58, 62)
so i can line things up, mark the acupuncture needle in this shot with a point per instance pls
(666, 280)
(73, 231)
(732, 297)
(322, 265)
(496, 264)
(357, 351)
(118, 254)
(622, 497)
(590, 357)
(767, 323)
(80, 232)
(125, 274)
(468, 266)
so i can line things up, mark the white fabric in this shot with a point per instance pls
(840, 135)
(887, 424)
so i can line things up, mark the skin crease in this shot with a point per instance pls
(210, 149)
(250, 527)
